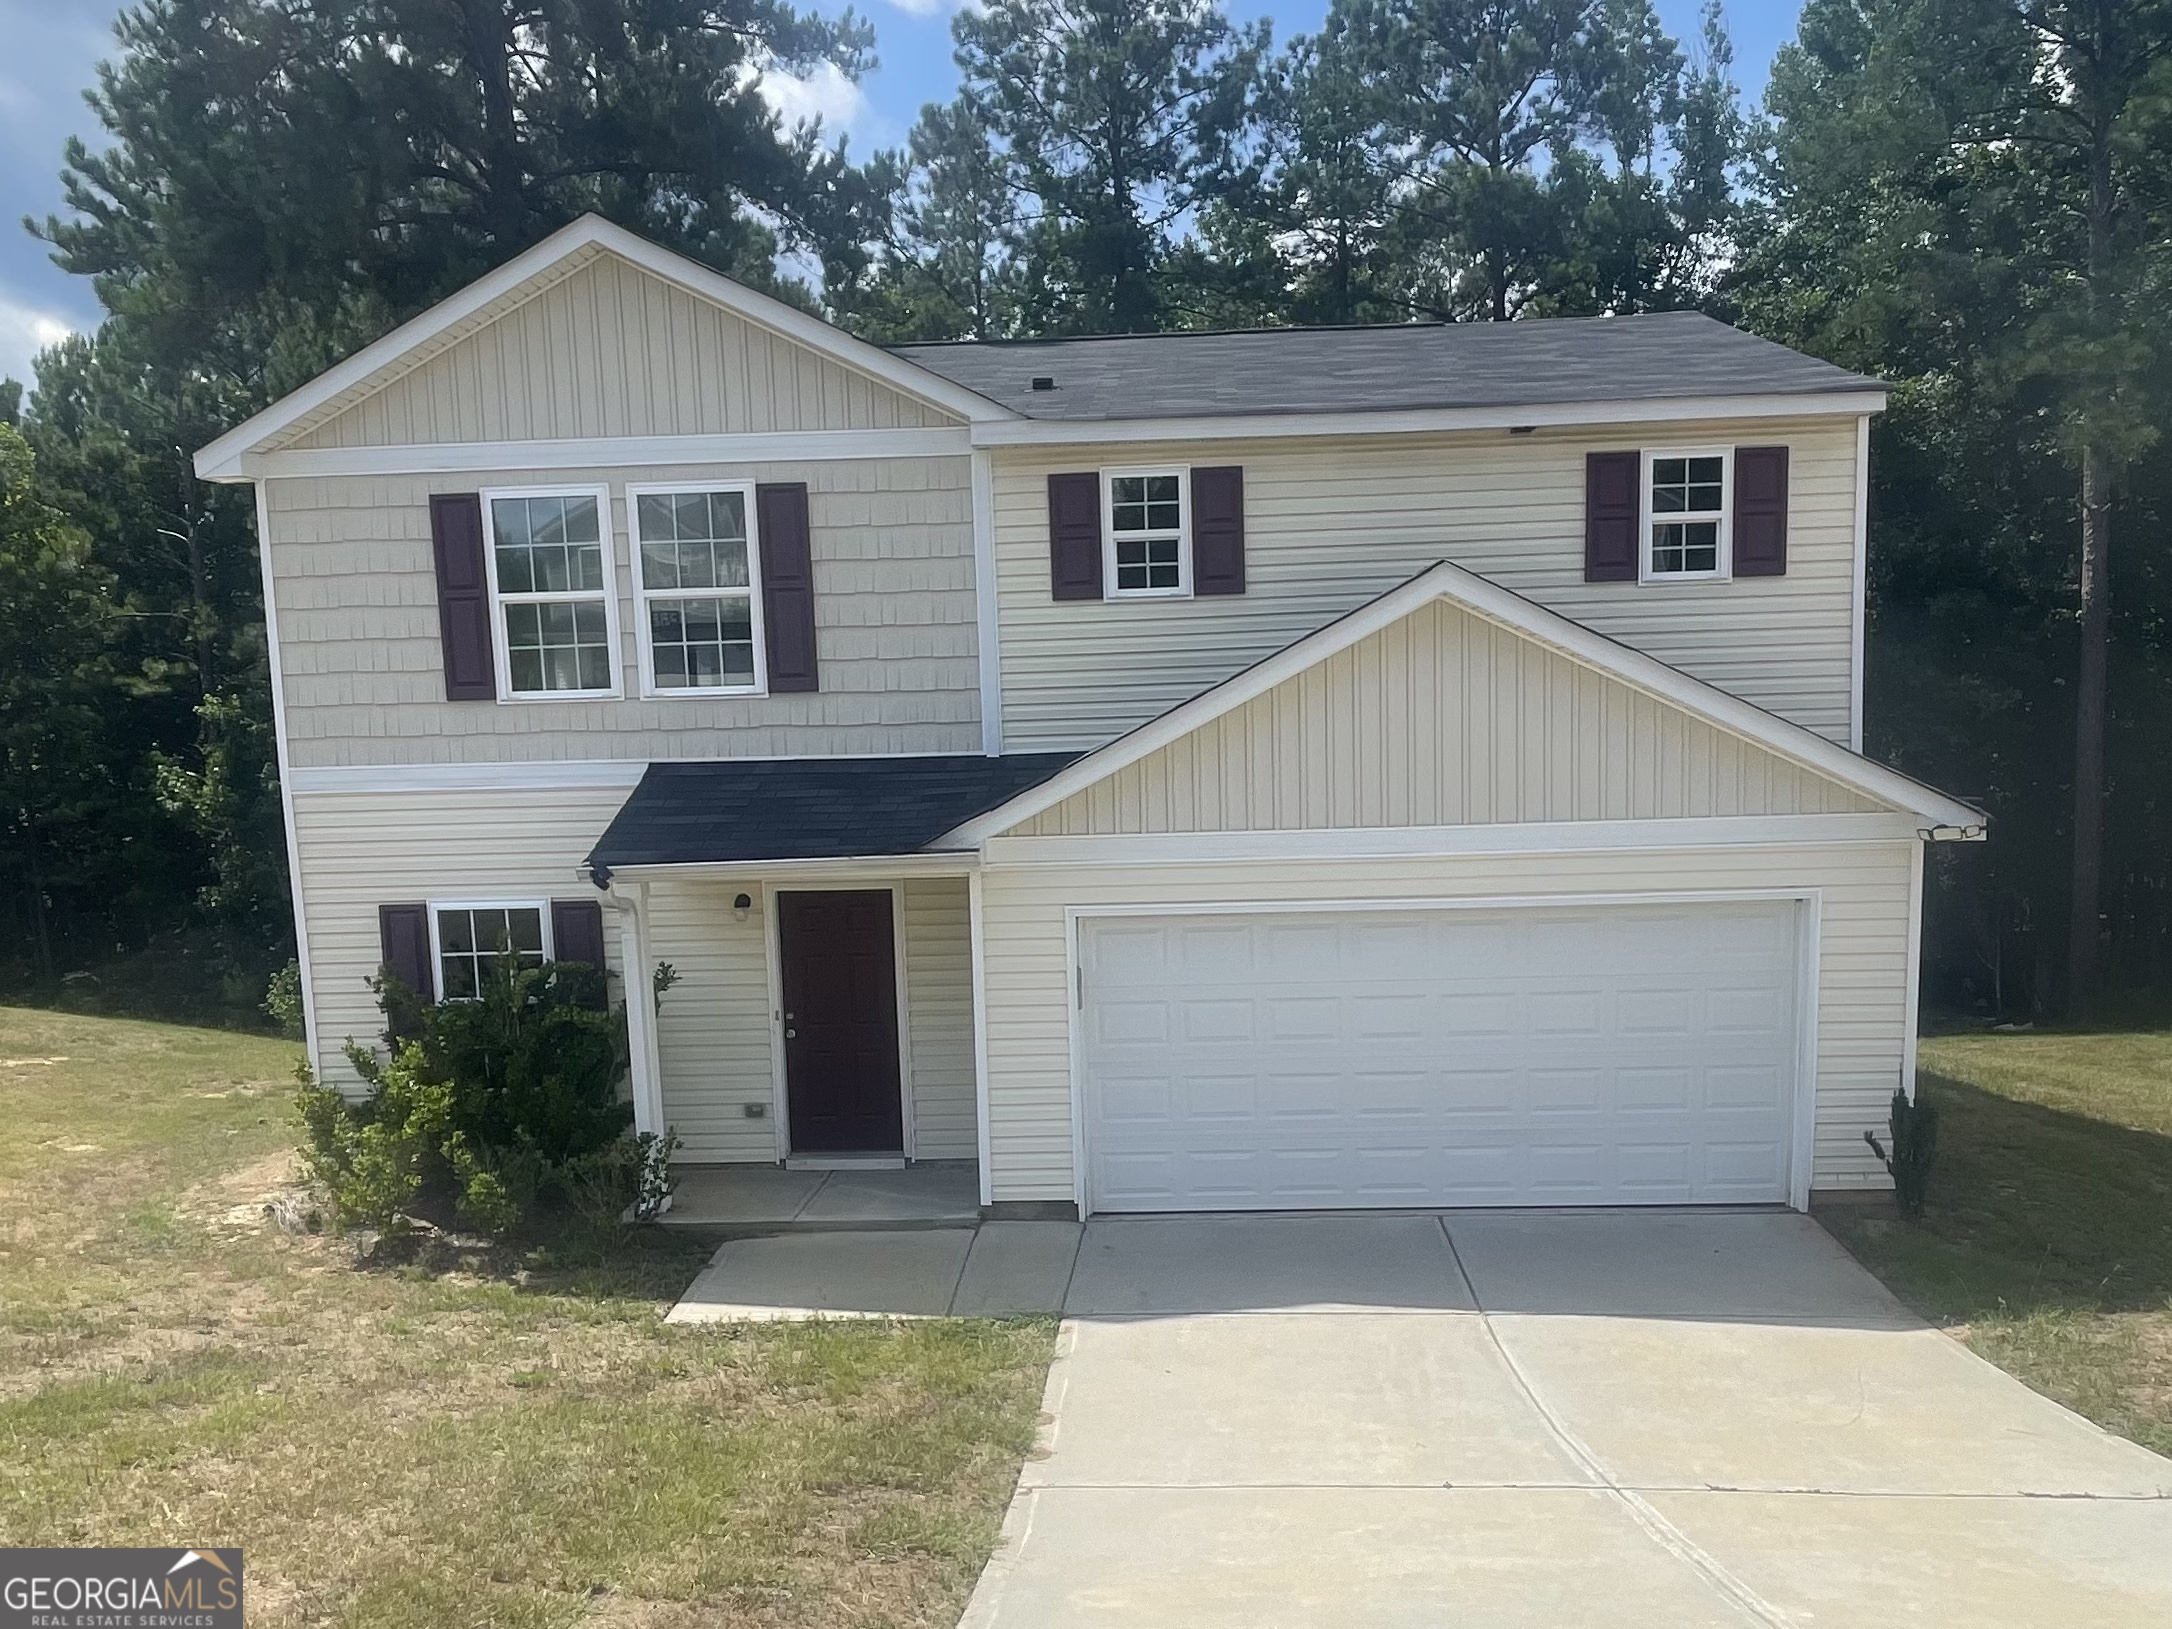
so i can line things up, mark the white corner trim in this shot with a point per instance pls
(1450, 582)
(218, 461)
(612, 452)
(975, 918)
(645, 1060)
(1915, 971)
(299, 898)
(987, 634)
(1859, 604)
(1412, 842)
(1023, 432)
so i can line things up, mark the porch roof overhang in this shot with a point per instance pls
(736, 811)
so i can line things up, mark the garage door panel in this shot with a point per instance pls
(1439, 1057)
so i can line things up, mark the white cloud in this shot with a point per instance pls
(24, 331)
(925, 8)
(825, 94)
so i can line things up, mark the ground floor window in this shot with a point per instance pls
(471, 938)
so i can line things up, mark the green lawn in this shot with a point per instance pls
(445, 1448)
(2047, 1244)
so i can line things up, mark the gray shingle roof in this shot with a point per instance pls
(808, 808)
(1416, 365)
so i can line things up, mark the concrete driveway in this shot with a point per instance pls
(1675, 1420)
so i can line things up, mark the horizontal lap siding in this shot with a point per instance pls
(1330, 524)
(362, 850)
(611, 350)
(1862, 968)
(894, 611)
(1443, 719)
(939, 985)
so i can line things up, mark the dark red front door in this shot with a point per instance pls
(840, 1021)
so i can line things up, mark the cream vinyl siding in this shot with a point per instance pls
(939, 982)
(1444, 719)
(1331, 523)
(362, 850)
(612, 350)
(892, 543)
(1862, 966)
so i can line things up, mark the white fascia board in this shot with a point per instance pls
(1415, 842)
(450, 458)
(329, 779)
(1451, 582)
(857, 867)
(1023, 432)
(220, 461)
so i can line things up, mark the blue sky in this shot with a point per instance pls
(53, 47)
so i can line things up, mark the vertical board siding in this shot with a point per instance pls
(1330, 524)
(939, 993)
(1861, 973)
(612, 350)
(894, 611)
(1444, 719)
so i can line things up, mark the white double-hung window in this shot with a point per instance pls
(1686, 501)
(1149, 551)
(556, 607)
(471, 939)
(700, 580)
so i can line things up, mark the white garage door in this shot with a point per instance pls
(1523, 1056)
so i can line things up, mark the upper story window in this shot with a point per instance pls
(1149, 534)
(1685, 514)
(699, 573)
(471, 939)
(550, 579)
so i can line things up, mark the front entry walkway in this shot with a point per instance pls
(764, 1198)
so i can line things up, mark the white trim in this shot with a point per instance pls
(975, 910)
(519, 774)
(1399, 842)
(643, 644)
(1915, 970)
(463, 457)
(773, 951)
(1723, 569)
(1859, 613)
(500, 639)
(571, 245)
(1019, 432)
(1802, 1120)
(299, 901)
(1447, 581)
(432, 908)
(987, 637)
(644, 1062)
(790, 873)
(1182, 474)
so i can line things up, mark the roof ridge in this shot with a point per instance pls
(1022, 341)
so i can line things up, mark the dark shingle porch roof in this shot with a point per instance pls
(808, 808)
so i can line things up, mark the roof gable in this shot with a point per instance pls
(595, 327)
(1471, 679)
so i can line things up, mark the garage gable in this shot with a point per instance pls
(1444, 718)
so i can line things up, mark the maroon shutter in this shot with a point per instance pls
(1611, 507)
(788, 607)
(463, 596)
(577, 936)
(1760, 511)
(1218, 530)
(403, 934)
(1074, 536)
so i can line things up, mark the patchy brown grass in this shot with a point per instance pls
(512, 1444)
(2047, 1244)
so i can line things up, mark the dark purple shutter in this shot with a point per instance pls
(403, 933)
(788, 606)
(1074, 536)
(1218, 530)
(1611, 507)
(1760, 511)
(463, 596)
(577, 936)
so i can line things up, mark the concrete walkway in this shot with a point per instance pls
(1674, 1421)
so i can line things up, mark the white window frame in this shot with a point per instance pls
(1109, 478)
(642, 593)
(500, 644)
(1724, 570)
(542, 908)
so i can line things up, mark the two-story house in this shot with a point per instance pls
(1290, 769)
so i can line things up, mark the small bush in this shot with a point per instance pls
(283, 1000)
(1914, 1129)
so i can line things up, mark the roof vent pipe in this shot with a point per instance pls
(1042, 381)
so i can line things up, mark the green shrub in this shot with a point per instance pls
(283, 1000)
(1914, 1128)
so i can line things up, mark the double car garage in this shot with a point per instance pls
(1602, 1053)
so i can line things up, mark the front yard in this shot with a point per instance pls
(524, 1444)
(2047, 1245)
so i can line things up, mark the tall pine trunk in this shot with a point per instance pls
(2089, 709)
